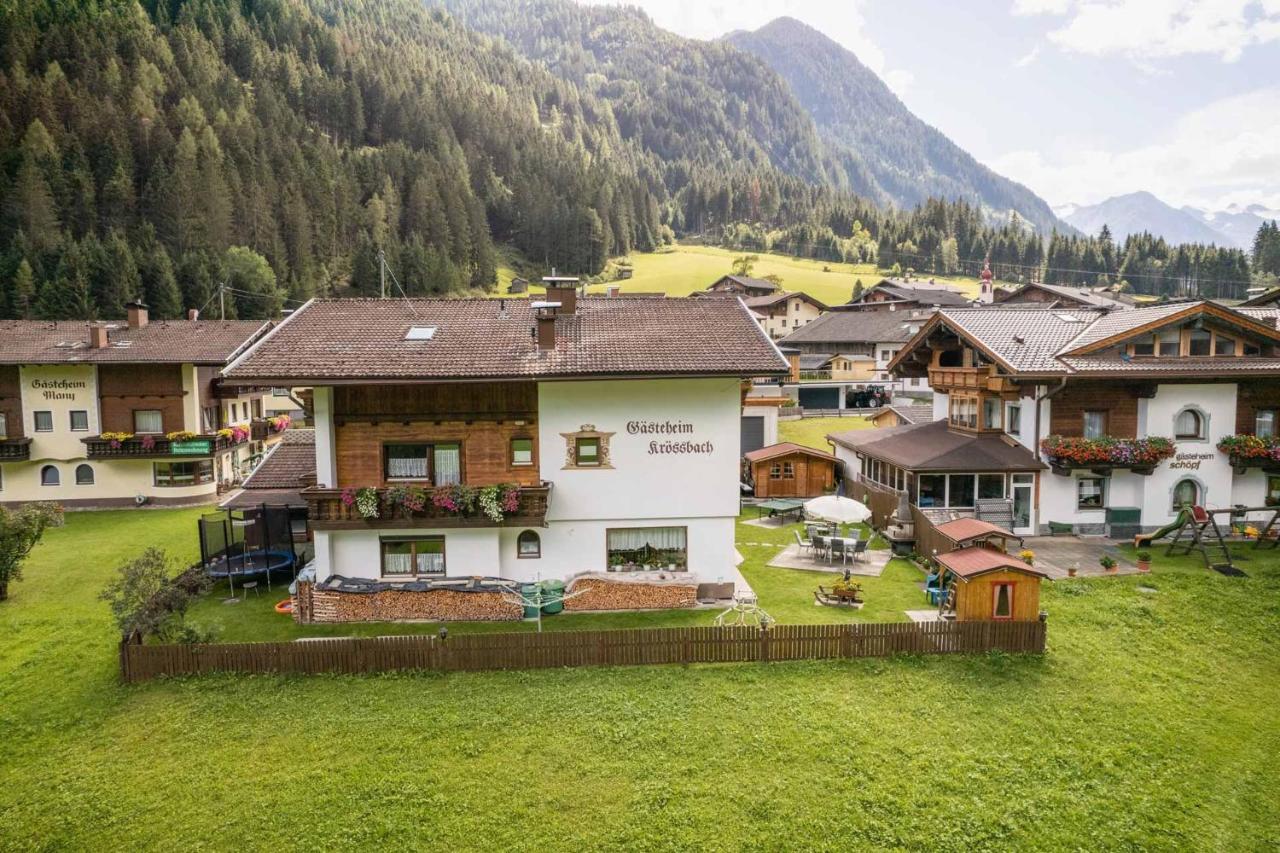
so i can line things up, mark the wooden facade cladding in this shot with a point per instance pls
(975, 599)
(124, 388)
(11, 401)
(483, 418)
(950, 379)
(1252, 396)
(810, 476)
(1119, 400)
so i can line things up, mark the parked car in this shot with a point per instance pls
(871, 397)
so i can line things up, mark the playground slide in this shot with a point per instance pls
(1142, 540)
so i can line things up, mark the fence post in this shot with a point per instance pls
(125, 672)
(764, 643)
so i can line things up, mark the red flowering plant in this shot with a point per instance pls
(456, 498)
(280, 423)
(148, 442)
(407, 499)
(1125, 452)
(1251, 447)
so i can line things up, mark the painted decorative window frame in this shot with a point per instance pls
(570, 448)
(1204, 424)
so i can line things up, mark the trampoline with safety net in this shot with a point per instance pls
(238, 544)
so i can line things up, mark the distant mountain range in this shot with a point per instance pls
(1134, 213)
(785, 95)
(865, 125)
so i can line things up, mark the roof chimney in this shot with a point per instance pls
(98, 336)
(193, 314)
(545, 331)
(564, 294)
(138, 315)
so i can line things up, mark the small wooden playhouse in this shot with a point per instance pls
(789, 470)
(987, 583)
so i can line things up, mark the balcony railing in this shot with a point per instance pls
(15, 449)
(152, 447)
(968, 379)
(1106, 454)
(341, 508)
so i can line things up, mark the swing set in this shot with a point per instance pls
(1203, 534)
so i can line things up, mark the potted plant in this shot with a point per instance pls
(1108, 564)
(1073, 569)
(1027, 556)
(1144, 561)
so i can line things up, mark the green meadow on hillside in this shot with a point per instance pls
(1149, 724)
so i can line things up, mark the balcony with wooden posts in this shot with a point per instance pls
(434, 507)
(15, 449)
(193, 446)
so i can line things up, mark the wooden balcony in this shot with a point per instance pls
(947, 379)
(157, 447)
(15, 449)
(326, 510)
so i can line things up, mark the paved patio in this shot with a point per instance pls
(870, 565)
(1056, 554)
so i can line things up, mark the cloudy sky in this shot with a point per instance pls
(1078, 99)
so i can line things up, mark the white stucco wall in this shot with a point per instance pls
(59, 389)
(769, 416)
(326, 460)
(113, 479)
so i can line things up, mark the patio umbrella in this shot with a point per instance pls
(837, 509)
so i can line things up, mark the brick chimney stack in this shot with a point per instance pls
(138, 315)
(98, 336)
(193, 314)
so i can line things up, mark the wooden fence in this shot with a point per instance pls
(929, 542)
(885, 503)
(471, 652)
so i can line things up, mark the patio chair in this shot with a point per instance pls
(819, 545)
(860, 547)
(840, 547)
(805, 544)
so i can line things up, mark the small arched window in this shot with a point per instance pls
(49, 476)
(84, 475)
(1189, 424)
(528, 545)
(1186, 493)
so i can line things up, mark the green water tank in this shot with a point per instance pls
(527, 591)
(552, 597)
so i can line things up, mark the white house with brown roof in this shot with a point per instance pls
(581, 437)
(117, 413)
(1126, 415)
(780, 314)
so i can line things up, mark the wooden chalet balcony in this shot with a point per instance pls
(15, 449)
(967, 379)
(157, 447)
(326, 509)
(260, 429)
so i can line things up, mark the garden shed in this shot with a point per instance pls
(789, 470)
(989, 585)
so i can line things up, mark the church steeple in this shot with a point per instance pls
(986, 295)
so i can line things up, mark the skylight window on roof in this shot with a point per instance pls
(1069, 318)
(420, 333)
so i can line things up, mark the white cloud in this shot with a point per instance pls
(1143, 30)
(1027, 58)
(709, 19)
(1227, 151)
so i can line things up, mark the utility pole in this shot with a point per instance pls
(222, 300)
(382, 272)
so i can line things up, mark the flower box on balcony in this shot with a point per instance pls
(401, 506)
(1104, 455)
(1251, 451)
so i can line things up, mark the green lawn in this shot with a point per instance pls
(1150, 724)
(813, 432)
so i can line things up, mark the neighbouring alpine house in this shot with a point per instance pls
(464, 444)
(1097, 422)
(96, 414)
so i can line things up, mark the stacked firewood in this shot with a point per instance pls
(606, 594)
(437, 605)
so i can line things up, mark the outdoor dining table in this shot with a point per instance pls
(848, 543)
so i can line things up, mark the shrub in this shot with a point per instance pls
(147, 599)
(1144, 556)
(1107, 562)
(20, 531)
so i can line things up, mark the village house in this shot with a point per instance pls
(1040, 295)
(580, 437)
(891, 294)
(782, 313)
(1088, 421)
(124, 413)
(739, 285)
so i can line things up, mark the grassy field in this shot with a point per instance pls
(813, 432)
(1150, 724)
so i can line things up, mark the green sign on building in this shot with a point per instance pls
(201, 447)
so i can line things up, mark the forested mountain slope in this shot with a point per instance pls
(863, 121)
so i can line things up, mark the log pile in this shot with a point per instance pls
(608, 594)
(437, 605)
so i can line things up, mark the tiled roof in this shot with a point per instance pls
(785, 448)
(753, 283)
(971, 562)
(1042, 333)
(1077, 294)
(1267, 297)
(1120, 322)
(968, 529)
(922, 292)
(916, 413)
(775, 298)
(933, 447)
(857, 327)
(365, 339)
(158, 342)
(1171, 366)
(286, 463)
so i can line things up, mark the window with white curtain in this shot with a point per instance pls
(1189, 424)
(411, 557)
(1264, 423)
(647, 548)
(440, 464)
(148, 421)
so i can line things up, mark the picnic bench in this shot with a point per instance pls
(847, 596)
